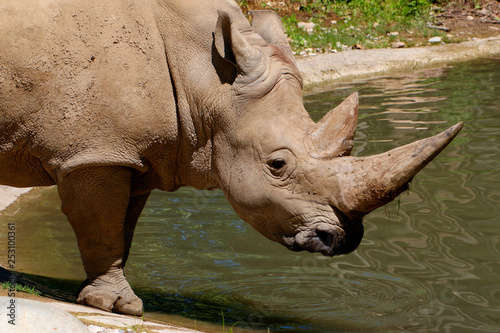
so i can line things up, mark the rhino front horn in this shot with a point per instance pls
(333, 135)
(366, 183)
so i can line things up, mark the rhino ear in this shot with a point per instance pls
(269, 26)
(233, 47)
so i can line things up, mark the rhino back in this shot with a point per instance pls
(82, 83)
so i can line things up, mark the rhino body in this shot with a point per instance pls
(109, 100)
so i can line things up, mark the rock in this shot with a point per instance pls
(436, 39)
(332, 22)
(470, 18)
(342, 46)
(376, 24)
(393, 33)
(10, 194)
(36, 317)
(307, 26)
(98, 329)
(308, 52)
(484, 11)
(438, 26)
(398, 45)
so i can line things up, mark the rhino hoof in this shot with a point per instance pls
(110, 301)
(129, 306)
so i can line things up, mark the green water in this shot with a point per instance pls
(428, 262)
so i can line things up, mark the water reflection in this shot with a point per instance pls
(429, 261)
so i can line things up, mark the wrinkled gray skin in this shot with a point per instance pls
(111, 99)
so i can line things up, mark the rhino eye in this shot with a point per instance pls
(278, 163)
(281, 163)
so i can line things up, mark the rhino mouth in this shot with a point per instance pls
(327, 239)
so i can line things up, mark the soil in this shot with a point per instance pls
(465, 19)
(5, 293)
(472, 22)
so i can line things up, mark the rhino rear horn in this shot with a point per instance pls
(333, 135)
(269, 26)
(232, 46)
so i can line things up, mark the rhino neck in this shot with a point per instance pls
(197, 83)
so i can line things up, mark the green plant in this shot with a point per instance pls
(137, 328)
(362, 22)
(230, 330)
(343, 24)
(21, 288)
(413, 8)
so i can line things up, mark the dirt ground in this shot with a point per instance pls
(472, 22)
(464, 19)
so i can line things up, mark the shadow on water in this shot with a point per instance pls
(160, 306)
(429, 261)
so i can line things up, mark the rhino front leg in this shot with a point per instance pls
(96, 201)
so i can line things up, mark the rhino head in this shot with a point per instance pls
(290, 178)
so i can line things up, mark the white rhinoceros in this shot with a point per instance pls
(111, 99)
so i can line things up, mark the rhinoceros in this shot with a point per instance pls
(112, 99)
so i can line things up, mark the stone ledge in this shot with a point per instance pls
(10, 194)
(333, 66)
(60, 315)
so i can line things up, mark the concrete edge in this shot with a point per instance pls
(327, 67)
(9, 195)
(112, 322)
(94, 319)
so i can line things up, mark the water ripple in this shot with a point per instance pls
(429, 261)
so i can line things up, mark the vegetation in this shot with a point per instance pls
(21, 288)
(230, 330)
(137, 328)
(343, 24)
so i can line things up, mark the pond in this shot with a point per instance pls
(429, 261)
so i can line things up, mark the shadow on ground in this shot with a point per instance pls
(221, 311)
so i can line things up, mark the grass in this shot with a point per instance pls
(137, 328)
(21, 288)
(341, 25)
(230, 330)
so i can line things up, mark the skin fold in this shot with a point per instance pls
(109, 100)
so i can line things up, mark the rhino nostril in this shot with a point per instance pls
(325, 237)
